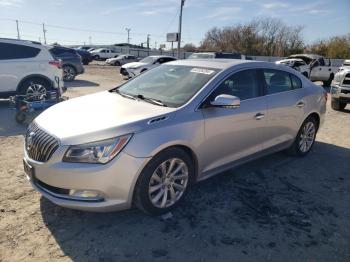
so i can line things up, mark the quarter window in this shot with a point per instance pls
(13, 51)
(277, 81)
(296, 82)
(243, 85)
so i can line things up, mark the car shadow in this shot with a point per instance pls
(80, 83)
(242, 213)
(8, 124)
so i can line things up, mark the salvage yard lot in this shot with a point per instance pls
(273, 209)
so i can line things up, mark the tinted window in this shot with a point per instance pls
(296, 82)
(13, 51)
(229, 56)
(62, 52)
(243, 84)
(277, 81)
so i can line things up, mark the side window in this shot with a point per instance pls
(296, 82)
(103, 51)
(322, 63)
(13, 51)
(277, 81)
(243, 84)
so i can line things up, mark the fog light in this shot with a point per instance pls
(88, 194)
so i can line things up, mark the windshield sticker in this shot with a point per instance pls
(202, 71)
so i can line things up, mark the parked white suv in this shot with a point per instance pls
(27, 68)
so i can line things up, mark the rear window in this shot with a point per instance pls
(14, 51)
(59, 52)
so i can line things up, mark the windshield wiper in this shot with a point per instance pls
(151, 100)
(124, 94)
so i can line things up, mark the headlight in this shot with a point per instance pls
(100, 152)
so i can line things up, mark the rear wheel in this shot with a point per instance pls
(305, 138)
(116, 63)
(69, 73)
(96, 57)
(337, 105)
(329, 81)
(306, 74)
(164, 182)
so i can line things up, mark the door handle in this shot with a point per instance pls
(300, 104)
(259, 116)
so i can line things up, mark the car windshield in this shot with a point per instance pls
(120, 56)
(148, 60)
(201, 56)
(170, 85)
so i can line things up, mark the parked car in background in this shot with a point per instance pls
(345, 65)
(103, 53)
(121, 60)
(297, 64)
(27, 68)
(213, 55)
(147, 141)
(319, 69)
(85, 47)
(71, 61)
(340, 90)
(133, 69)
(86, 56)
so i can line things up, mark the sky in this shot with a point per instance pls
(75, 22)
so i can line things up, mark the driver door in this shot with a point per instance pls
(234, 133)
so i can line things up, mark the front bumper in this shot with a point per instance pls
(341, 93)
(114, 181)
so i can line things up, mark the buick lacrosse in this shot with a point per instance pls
(147, 141)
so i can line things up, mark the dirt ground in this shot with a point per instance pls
(277, 208)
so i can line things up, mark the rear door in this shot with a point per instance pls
(16, 62)
(285, 106)
(233, 134)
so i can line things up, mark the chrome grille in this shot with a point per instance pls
(39, 145)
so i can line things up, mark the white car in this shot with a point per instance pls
(297, 64)
(133, 69)
(27, 68)
(121, 60)
(103, 53)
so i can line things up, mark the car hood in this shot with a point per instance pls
(134, 64)
(98, 116)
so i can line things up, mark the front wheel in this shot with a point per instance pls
(337, 105)
(164, 182)
(305, 138)
(34, 88)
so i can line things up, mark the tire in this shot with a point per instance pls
(116, 63)
(337, 105)
(297, 149)
(96, 57)
(306, 74)
(171, 193)
(34, 87)
(69, 73)
(20, 117)
(329, 81)
(85, 61)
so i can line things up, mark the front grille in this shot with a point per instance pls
(39, 145)
(344, 91)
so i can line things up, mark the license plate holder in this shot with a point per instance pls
(28, 170)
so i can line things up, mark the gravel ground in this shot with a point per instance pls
(273, 209)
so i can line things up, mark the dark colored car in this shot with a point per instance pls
(71, 62)
(86, 57)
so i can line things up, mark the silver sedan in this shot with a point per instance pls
(147, 141)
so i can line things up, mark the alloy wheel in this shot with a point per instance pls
(168, 183)
(307, 137)
(68, 73)
(36, 91)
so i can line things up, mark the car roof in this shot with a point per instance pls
(20, 41)
(159, 56)
(291, 59)
(213, 63)
(309, 56)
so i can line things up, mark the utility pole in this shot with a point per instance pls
(44, 31)
(148, 39)
(18, 37)
(128, 30)
(90, 40)
(180, 25)
(155, 45)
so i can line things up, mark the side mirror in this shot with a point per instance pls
(226, 101)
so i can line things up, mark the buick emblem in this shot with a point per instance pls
(30, 140)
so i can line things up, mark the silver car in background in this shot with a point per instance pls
(147, 141)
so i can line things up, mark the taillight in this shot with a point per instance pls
(56, 63)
